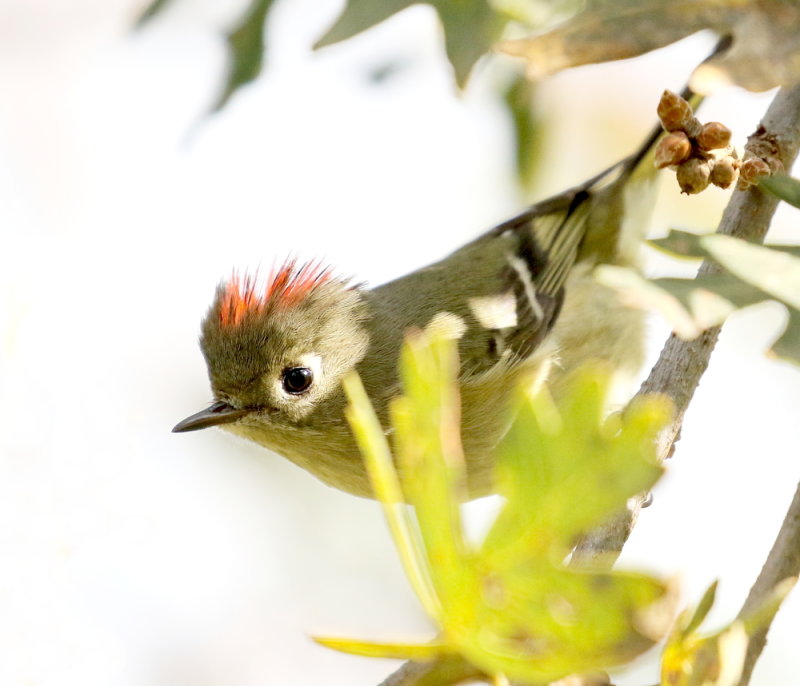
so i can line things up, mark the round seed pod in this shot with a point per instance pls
(724, 172)
(673, 111)
(673, 149)
(693, 175)
(714, 136)
(753, 169)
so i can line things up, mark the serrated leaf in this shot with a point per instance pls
(246, 46)
(764, 54)
(512, 608)
(470, 27)
(540, 622)
(784, 187)
(565, 471)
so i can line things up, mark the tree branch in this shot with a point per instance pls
(681, 364)
(782, 562)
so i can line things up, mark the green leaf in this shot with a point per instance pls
(246, 46)
(518, 99)
(470, 27)
(785, 187)
(691, 246)
(773, 271)
(755, 273)
(565, 470)
(154, 8)
(680, 244)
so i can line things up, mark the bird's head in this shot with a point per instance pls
(276, 351)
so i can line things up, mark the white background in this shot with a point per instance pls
(134, 557)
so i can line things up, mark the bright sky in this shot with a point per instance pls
(135, 557)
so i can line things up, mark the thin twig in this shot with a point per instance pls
(681, 364)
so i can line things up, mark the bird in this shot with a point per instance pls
(277, 349)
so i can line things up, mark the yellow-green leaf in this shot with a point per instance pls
(512, 609)
(420, 652)
(540, 621)
(427, 427)
(378, 459)
(693, 659)
(565, 470)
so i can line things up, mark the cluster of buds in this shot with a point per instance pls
(699, 153)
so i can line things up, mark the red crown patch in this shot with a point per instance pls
(286, 286)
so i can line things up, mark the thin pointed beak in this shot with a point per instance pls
(218, 413)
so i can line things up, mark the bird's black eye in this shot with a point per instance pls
(297, 380)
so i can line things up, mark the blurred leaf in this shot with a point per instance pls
(399, 651)
(710, 661)
(511, 608)
(427, 427)
(772, 270)
(785, 187)
(680, 244)
(378, 459)
(470, 27)
(562, 471)
(692, 659)
(689, 305)
(518, 99)
(690, 245)
(765, 51)
(151, 11)
(696, 618)
(246, 46)
(755, 273)
(539, 622)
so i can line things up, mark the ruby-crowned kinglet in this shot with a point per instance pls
(525, 295)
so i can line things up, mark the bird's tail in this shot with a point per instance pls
(601, 220)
